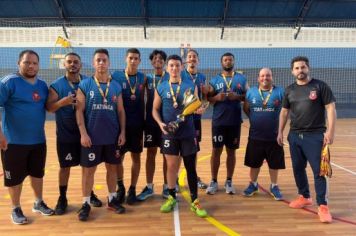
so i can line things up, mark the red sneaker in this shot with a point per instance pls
(324, 214)
(301, 202)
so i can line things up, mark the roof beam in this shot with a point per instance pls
(302, 13)
(226, 7)
(144, 15)
(59, 5)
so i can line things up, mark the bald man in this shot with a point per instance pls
(262, 106)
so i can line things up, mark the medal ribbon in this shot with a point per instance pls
(159, 81)
(71, 84)
(265, 100)
(174, 97)
(104, 95)
(228, 84)
(132, 89)
(194, 78)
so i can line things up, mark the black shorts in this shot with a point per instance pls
(134, 139)
(226, 135)
(19, 161)
(96, 154)
(68, 154)
(197, 126)
(153, 136)
(179, 147)
(257, 151)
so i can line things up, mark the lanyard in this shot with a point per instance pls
(265, 100)
(104, 95)
(228, 84)
(159, 81)
(132, 89)
(194, 78)
(174, 97)
(71, 84)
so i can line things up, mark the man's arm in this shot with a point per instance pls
(331, 120)
(122, 120)
(3, 141)
(283, 117)
(157, 103)
(84, 137)
(246, 108)
(53, 104)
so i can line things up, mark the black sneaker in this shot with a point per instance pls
(115, 205)
(95, 201)
(18, 217)
(61, 206)
(121, 195)
(83, 212)
(131, 197)
(42, 208)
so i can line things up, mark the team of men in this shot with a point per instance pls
(100, 118)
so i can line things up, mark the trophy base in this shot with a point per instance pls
(171, 127)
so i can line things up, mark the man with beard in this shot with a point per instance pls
(62, 101)
(23, 144)
(191, 73)
(262, 105)
(152, 133)
(307, 101)
(228, 90)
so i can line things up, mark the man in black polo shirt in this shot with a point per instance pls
(306, 101)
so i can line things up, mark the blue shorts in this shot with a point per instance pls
(179, 147)
(96, 154)
(134, 139)
(152, 136)
(68, 154)
(226, 135)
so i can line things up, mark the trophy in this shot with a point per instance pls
(191, 104)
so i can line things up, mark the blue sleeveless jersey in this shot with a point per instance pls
(67, 129)
(227, 113)
(199, 80)
(134, 109)
(169, 113)
(264, 120)
(101, 120)
(150, 95)
(24, 109)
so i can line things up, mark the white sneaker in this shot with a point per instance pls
(229, 187)
(213, 188)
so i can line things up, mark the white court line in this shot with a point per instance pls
(176, 221)
(343, 168)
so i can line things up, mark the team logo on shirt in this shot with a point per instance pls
(140, 87)
(238, 86)
(36, 96)
(312, 95)
(276, 103)
(114, 98)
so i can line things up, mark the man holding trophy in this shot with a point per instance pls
(176, 99)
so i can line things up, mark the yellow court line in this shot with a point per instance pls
(210, 219)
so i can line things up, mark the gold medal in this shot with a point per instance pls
(175, 105)
(265, 100)
(102, 93)
(133, 97)
(228, 84)
(132, 88)
(105, 101)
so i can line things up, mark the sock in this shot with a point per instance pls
(228, 179)
(63, 190)
(150, 186)
(111, 196)
(273, 185)
(120, 183)
(17, 206)
(132, 188)
(172, 192)
(86, 200)
(214, 180)
(38, 200)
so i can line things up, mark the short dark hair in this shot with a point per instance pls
(299, 58)
(227, 54)
(101, 50)
(158, 52)
(175, 57)
(193, 50)
(28, 51)
(133, 50)
(72, 54)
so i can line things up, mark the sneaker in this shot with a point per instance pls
(213, 188)
(165, 191)
(95, 201)
(146, 193)
(276, 193)
(229, 188)
(324, 214)
(250, 190)
(201, 184)
(199, 211)
(131, 197)
(83, 212)
(300, 202)
(121, 195)
(42, 208)
(18, 217)
(115, 205)
(168, 205)
(61, 206)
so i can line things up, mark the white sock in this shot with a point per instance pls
(86, 200)
(38, 200)
(254, 183)
(273, 185)
(112, 195)
(150, 186)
